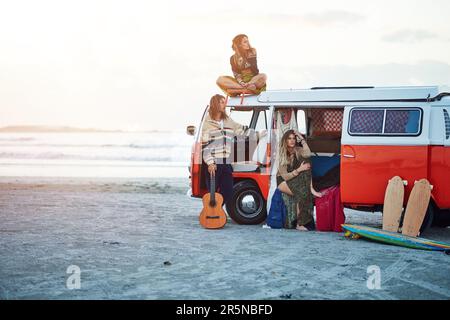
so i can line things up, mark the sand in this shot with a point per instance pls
(140, 239)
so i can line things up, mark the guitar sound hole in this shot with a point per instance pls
(212, 203)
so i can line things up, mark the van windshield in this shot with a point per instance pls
(243, 117)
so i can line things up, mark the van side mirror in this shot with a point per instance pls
(190, 130)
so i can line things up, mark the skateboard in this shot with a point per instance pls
(416, 208)
(393, 204)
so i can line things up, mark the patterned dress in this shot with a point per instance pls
(301, 188)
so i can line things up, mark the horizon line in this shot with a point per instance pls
(53, 128)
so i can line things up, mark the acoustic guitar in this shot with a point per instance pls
(212, 215)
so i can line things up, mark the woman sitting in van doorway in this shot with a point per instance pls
(294, 178)
(245, 70)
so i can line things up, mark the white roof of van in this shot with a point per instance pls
(345, 94)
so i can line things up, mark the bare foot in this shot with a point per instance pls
(251, 86)
(301, 228)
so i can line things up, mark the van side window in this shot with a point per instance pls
(241, 116)
(402, 121)
(385, 121)
(447, 124)
(366, 121)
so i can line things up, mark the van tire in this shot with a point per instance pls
(442, 219)
(251, 212)
(428, 220)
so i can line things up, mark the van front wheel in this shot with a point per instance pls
(247, 205)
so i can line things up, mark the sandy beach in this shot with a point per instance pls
(140, 239)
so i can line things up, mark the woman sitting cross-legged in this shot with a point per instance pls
(245, 70)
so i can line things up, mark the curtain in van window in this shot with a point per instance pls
(326, 122)
(402, 121)
(396, 121)
(366, 121)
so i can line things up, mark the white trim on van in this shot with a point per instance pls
(350, 94)
(385, 111)
(425, 98)
(338, 97)
(437, 126)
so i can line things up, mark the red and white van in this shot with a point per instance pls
(371, 133)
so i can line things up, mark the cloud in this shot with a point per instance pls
(326, 18)
(332, 17)
(409, 36)
(389, 74)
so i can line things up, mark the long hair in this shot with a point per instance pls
(283, 159)
(241, 54)
(214, 104)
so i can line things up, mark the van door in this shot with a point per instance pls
(379, 143)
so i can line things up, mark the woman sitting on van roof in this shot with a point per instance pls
(294, 178)
(245, 69)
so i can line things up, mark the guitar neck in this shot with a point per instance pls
(213, 189)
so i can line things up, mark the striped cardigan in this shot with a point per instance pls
(217, 143)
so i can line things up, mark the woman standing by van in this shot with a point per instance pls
(295, 179)
(245, 69)
(218, 132)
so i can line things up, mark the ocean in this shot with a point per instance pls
(95, 154)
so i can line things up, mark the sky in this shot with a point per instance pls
(145, 65)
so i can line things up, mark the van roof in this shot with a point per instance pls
(344, 94)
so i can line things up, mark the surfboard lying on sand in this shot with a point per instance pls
(394, 238)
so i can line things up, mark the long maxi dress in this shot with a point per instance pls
(301, 188)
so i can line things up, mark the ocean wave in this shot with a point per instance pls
(65, 156)
(21, 139)
(155, 147)
(132, 146)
